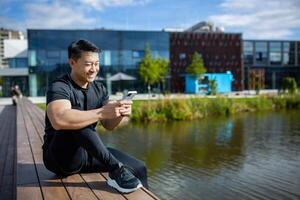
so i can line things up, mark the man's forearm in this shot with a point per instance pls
(73, 119)
(110, 124)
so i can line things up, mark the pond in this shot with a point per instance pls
(247, 156)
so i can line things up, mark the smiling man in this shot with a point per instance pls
(75, 104)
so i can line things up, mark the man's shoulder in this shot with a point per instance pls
(59, 89)
(62, 81)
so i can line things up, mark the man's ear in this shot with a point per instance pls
(71, 62)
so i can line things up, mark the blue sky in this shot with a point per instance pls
(256, 19)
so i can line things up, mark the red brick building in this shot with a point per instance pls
(220, 51)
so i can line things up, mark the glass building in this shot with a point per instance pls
(277, 59)
(121, 51)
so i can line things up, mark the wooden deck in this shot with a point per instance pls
(26, 176)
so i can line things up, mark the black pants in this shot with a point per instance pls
(83, 151)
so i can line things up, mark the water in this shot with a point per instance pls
(250, 156)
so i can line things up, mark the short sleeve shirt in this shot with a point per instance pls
(94, 96)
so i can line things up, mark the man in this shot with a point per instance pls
(75, 103)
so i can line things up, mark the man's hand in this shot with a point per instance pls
(125, 107)
(111, 110)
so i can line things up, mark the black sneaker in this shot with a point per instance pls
(123, 180)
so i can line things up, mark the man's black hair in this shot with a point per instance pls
(76, 48)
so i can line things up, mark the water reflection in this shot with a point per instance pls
(254, 156)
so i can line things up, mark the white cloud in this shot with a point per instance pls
(56, 15)
(62, 14)
(101, 4)
(268, 19)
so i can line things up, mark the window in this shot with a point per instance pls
(32, 58)
(288, 53)
(107, 58)
(286, 58)
(137, 54)
(275, 46)
(286, 46)
(261, 57)
(275, 58)
(261, 46)
(53, 54)
(182, 56)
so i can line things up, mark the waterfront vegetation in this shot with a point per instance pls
(196, 108)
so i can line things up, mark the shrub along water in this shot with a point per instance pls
(196, 108)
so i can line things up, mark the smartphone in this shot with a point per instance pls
(129, 95)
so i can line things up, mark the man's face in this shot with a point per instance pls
(86, 67)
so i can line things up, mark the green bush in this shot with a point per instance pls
(196, 108)
(289, 84)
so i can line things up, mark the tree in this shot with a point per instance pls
(196, 67)
(152, 70)
(289, 84)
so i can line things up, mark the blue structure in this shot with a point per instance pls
(195, 86)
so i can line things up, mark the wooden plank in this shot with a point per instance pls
(52, 187)
(77, 188)
(3, 141)
(8, 178)
(138, 194)
(7, 154)
(29, 191)
(98, 183)
(27, 181)
(75, 185)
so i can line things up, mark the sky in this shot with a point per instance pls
(255, 19)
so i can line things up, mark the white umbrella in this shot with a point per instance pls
(121, 77)
(99, 78)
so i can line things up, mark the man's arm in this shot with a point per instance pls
(62, 116)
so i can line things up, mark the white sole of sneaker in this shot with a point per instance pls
(112, 183)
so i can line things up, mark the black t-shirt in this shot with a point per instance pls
(94, 96)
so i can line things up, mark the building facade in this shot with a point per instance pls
(16, 73)
(270, 61)
(220, 52)
(7, 34)
(121, 51)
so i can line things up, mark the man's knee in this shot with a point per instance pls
(141, 168)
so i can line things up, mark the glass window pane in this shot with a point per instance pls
(261, 46)
(248, 46)
(261, 58)
(275, 46)
(32, 58)
(182, 56)
(137, 54)
(286, 46)
(63, 56)
(53, 54)
(107, 58)
(41, 57)
(275, 57)
(248, 57)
